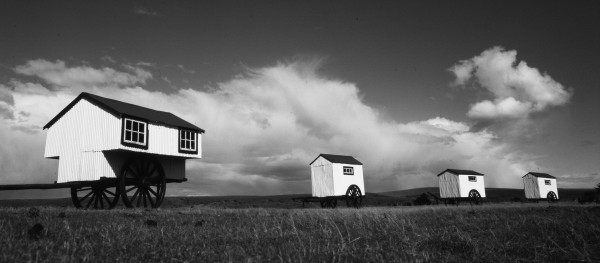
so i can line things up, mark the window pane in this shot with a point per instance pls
(142, 138)
(128, 135)
(187, 144)
(143, 127)
(135, 126)
(128, 124)
(134, 136)
(182, 144)
(193, 136)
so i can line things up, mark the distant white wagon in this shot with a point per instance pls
(540, 186)
(108, 149)
(336, 177)
(458, 184)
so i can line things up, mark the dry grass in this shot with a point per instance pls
(488, 233)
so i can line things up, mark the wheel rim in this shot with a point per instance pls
(353, 196)
(142, 183)
(96, 196)
(475, 196)
(551, 197)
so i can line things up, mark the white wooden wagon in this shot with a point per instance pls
(110, 150)
(458, 185)
(336, 177)
(540, 186)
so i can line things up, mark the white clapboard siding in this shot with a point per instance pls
(545, 189)
(322, 180)
(328, 178)
(449, 186)
(87, 127)
(535, 187)
(87, 142)
(455, 186)
(530, 185)
(341, 182)
(466, 186)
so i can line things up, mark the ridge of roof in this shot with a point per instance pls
(334, 158)
(459, 171)
(543, 175)
(120, 108)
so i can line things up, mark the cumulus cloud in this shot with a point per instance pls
(265, 126)
(517, 89)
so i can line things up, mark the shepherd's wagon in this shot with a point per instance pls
(457, 185)
(108, 149)
(336, 177)
(538, 186)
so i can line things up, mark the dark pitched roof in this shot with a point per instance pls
(543, 175)
(338, 159)
(457, 171)
(120, 108)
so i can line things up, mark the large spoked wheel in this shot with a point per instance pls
(97, 196)
(552, 197)
(474, 197)
(354, 196)
(142, 183)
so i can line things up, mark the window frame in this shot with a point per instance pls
(350, 172)
(194, 141)
(547, 182)
(474, 177)
(131, 143)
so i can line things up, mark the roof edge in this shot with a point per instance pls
(454, 172)
(90, 97)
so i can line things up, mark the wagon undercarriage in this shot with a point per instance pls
(140, 183)
(353, 198)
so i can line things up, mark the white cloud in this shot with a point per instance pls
(517, 89)
(141, 10)
(265, 126)
(57, 73)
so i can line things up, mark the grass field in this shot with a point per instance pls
(487, 233)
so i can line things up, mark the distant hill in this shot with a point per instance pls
(393, 198)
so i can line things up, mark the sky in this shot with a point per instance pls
(407, 88)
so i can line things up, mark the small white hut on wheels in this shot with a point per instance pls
(540, 186)
(119, 150)
(337, 175)
(456, 184)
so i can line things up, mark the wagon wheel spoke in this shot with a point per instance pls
(92, 198)
(135, 195)
(85, 196)
(148, 185)
(150, 199)
(108, 192)
(145, 195)
(101, 201)
(106, 198)
(153, 192)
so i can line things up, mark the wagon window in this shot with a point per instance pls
(472, 178)
(188, 141)
(135, 133)
(547, 182)
(348, 170)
